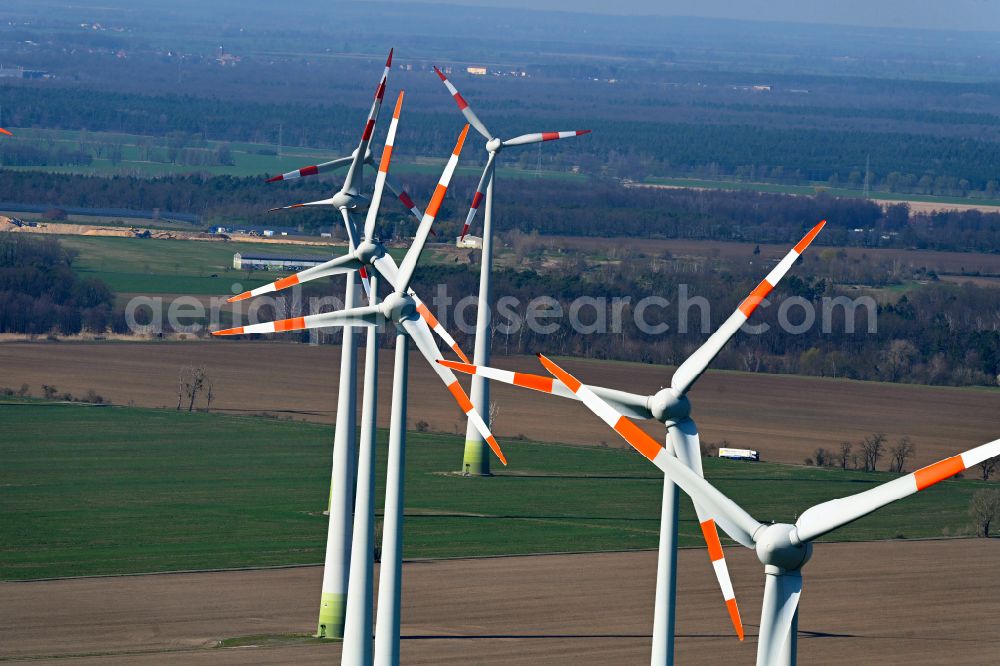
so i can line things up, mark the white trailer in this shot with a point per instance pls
(739, 454)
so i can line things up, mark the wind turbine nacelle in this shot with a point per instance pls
(667, 405)
(778, 545)
(368, 251)
(399, 307)
(356, 203)
(494, 145)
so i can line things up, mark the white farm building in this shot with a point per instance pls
(267, 262)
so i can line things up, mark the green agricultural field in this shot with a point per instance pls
(812, 189)
(249, 159)
(103, 490)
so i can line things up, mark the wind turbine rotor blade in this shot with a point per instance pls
(781, 602)
(696, 364)
(352, 181)
(313, 169)
(336, 266)
(734, 520)
(403, 197)
(629, 404)
(367, 316)
(538, 137)
(687, 448)
(828, 516)
(383, 170)
(463, 106)
(322, 202)
(413, 254)
(3, 131)
(477, 198)
(387, 268)
(417, 330)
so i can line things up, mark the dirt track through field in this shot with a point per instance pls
(785, 417)
(931, 602)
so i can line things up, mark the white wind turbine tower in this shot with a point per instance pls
(672, 407)
(782, 548)
(349, 200)
(475, 460)
(401, 308)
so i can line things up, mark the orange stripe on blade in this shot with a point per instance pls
(711, 535)
(289, 281)
(436, 199)
(399, 103)
(496, 449)
(383, 166)
(734, 615)
(635, 436)
(458, 352)
(804, 243)
(569, 380)
(939, 471)
(427, 315)
(229, 331)
(241, 297)
(536, 382)
(756, 296)
(293, 324)
(460, 397)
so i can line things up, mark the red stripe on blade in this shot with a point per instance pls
(309, 171)
(462, 104)
(407, 201)
(476, 200)
(549, 136)
(582, 132)
(388, 61)
(369, 126)
(273, 179)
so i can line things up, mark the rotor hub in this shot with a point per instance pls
(494, 145)
(778, 546)
(668, 405)
(399, 307)
(368, 251)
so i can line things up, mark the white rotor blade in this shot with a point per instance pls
(387, 268)
(696, 364)
(828, 516)
(336, 266)
(416, 328)
(687, 447)
(463, 106)
(352, 182)
(314, 169)
(538, 137)
(321, 202)
(781, 601)
(383, 168)
(477, 198)
(629, 404)
(413, 254)
(734, 520)
(370, 315)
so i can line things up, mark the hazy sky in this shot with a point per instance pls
(945, 14)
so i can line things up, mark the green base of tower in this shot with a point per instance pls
(476, 461)
(332, 615)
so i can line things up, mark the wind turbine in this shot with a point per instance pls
(782, 548)
(475, 460)
(672, 407)
(401, 309)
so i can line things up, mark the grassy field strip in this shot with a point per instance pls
(106, 491)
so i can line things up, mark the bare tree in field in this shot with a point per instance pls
(209, 395)
(872, 448)
(190, 382)
(985, 510)
(494, 414)
(987, 467)
(899, 453)
(844, 457)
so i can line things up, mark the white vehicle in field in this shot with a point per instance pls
(740, 454)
